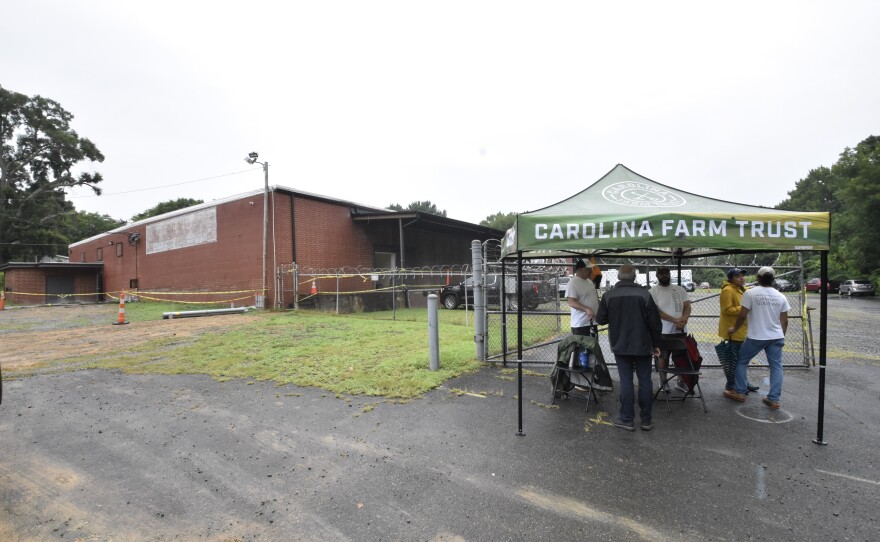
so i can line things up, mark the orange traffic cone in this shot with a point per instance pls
(121, 319)
(314, 288)
(2, 299)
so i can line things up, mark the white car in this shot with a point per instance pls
(857, 287)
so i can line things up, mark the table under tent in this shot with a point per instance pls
(625, 215)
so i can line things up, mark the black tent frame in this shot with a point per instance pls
(678, 256)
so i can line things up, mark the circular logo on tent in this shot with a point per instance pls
(636, 194)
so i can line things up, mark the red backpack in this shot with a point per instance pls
(681, 360)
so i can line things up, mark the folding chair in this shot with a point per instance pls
(680, 364)
(568, 378)
(572, 381)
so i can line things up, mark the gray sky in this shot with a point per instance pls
(480, 107)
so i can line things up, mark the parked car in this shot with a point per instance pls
(705, 285)
(814, 284)
(784, 285)
(563, 284)
(535, 292)
(688, 286)
(857, 287)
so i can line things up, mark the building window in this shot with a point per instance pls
(118, 249)
(100, 255)
(133, 284)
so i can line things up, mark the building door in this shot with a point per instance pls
(59, 289)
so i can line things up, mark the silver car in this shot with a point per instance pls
(857, 287)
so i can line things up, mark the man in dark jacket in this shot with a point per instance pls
(634, 334)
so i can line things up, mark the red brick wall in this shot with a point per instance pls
(22, 283)
(326, 237)
(31, 281)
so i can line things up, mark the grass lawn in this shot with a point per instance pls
(375, 354)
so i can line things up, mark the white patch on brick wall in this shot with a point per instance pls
(183, 231)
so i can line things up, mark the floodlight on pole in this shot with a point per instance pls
(252, 159)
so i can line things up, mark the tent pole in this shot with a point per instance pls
(519, 342)
(823, 327)
(503, 299)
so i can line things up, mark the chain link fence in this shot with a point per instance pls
(548, 322)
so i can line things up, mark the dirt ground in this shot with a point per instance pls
(32, 335)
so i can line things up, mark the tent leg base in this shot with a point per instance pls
(820, 442)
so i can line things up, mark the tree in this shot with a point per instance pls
(166, 207)
(855, 238)
(38, 151)
(82, 225)
(499, 221)
(419, 206)
(850, 190)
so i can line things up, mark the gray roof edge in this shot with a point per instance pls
(215, 203)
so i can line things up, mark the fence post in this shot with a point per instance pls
(433, 332)
(479, 300)
(295, 286)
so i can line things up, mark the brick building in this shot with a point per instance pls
(218, 246)
(51, 283)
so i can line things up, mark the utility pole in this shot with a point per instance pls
(252, 159)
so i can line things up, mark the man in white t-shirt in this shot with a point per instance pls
(675, 308)
(767, 312)
(582, 299)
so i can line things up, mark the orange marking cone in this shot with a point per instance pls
(2, 300)
(314, 288)
(121, 319)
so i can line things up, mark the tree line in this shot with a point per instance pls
(40, 153)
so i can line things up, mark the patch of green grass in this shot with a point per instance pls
(349, 354)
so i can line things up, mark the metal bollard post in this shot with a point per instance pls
(433, 332)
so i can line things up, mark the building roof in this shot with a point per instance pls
(51, 265)
(359, 212)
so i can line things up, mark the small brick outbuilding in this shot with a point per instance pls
(52, 283)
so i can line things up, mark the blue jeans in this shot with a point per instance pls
(749, 350)
(642, 367)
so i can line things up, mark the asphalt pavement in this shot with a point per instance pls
(101, 455)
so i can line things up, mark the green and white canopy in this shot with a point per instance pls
(626, 214)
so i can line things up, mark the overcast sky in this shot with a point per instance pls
(479, 107)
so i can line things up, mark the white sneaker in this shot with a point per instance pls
(681, 387)
(665, 388)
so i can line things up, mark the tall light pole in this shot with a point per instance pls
(252, 159)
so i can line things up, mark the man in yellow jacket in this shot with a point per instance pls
(730, 302)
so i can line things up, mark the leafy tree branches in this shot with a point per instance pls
(499, 221)
(419, 206)
(166, 207)
(38, 151)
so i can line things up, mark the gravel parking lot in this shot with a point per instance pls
(101, 455)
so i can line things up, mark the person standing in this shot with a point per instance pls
(583, 300)
(767, 312)
(675, 308)
(730, 302)
(634, 334)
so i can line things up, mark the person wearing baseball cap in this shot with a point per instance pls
(766, 310)
(583, 299)
(730, 302)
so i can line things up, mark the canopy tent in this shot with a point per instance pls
(626, 215)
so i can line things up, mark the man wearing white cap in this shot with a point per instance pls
(767, 312)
